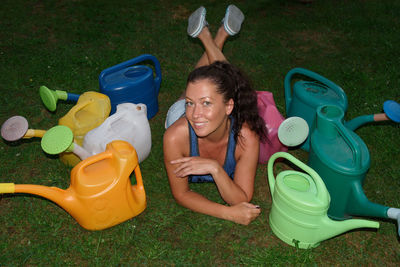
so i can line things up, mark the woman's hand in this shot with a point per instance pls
(244, 213)
(194, 166)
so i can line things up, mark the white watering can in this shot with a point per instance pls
(129, 123)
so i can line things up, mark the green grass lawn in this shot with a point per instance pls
(66, 44)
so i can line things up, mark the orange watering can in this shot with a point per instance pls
(100, 194)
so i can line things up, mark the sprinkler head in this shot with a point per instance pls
(392, 110)
(50, 97)
(293, 131)
(14, 128)
(57, 140)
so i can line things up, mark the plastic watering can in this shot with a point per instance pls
(342, 159)
(299, 207)
(304, 97)
(128, 82)
(273, 119)
(129, 123)
(100, 194)
(90, 111)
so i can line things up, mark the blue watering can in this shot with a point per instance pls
(131, 83)
(303, 99)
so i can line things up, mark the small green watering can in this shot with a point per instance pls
(303, 99)
(342, 159)
(300, 203)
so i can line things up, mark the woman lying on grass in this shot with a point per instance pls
(213, 132)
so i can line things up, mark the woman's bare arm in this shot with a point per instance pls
(247, 151)
(232, 191)
(176, 148)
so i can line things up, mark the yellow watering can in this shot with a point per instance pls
(100, 194)
(90, 111)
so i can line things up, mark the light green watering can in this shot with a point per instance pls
(300, 203)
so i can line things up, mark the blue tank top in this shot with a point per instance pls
(229, 164)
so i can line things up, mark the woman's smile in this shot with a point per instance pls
(199, 125)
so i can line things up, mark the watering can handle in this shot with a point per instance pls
(123, 114)
(81, 105)
(138, 175)
(321, 188)
(315, 76)
(134, 61)
(111, 119)
(93, 159)
(351, 142)
(109, 153)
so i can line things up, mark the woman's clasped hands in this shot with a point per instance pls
(195, 166)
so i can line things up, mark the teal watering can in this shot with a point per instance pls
(304, 97)
(342, 159)
(300, 202)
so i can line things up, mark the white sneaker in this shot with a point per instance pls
(233, 20)
(196, 22)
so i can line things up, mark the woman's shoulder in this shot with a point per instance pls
(177, 134)
(248, 138)
(246, 132)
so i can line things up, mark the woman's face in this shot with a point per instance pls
(206, 110)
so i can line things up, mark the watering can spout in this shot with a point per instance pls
(333, 228)
(359, 121)
(50, 97)
(57, 195)
(359, 204)
(391, 112)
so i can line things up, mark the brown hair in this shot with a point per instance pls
(233, 84)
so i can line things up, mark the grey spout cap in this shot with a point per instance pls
(394, 213)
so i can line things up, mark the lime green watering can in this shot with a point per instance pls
(300, 203)
(342, 159)
(304, 97)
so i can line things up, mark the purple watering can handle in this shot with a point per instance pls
(134, 61)
(315, 76)
(322, 191)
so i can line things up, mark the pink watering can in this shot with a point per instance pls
(273, 119)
